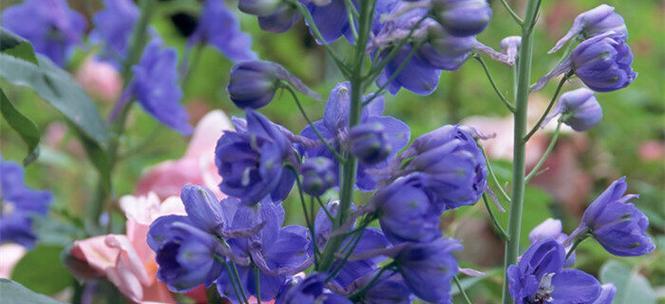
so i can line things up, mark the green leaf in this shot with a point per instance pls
(23, 126)
(57, 87)
(12, 44)
(632, 287)
(15, 293)
(42, 270)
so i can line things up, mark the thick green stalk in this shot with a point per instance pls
(350, 167)
(521, 104)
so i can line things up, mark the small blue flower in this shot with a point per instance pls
(551, 229)
(310, 290)
(252, 160)
(462, 18)
(259, 7)
(219, 27)
(388, 289)
(453, 167)
(334, 127)
(607, 293)
(275, 16)
(155, 86)
(616, 223)
(406, 211)
(428, 268)
(18, 205)
(319, 174)
(579, 109)
(51, 26)
(445, 51)
(330, 18)
(369, 142)
(539, 277)
(597, 21)
(113, 28)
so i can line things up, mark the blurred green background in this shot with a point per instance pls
(629, 141)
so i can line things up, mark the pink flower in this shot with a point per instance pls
(197, 166)
(10, 255)
(652, 150)
(126, 260)
(100, 80)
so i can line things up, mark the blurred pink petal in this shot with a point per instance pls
(99, 79)
(652, 150)
(10, 255)
(197, 165)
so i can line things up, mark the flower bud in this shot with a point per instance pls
(580, 109)
(603, 63)
(280, 21)
(318, 175)
(510, 46)
(462, 17)
(597, 21)
(259, 7)
(368, 142)
(445, 51)
(253, 83)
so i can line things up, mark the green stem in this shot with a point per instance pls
(394, 75)
(502, 97)
(521, 104)
(502, 232)
(257, 282)
(543, 158)
(358, 295)
(461, 290)
(350, 10)
(349, 167)
(512, 12)
(577, 242)
(493, 176)
(118, 126)
(308, 221)
(537, 126)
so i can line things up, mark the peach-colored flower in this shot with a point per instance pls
(99, 79)
(652, 150)
(126, 260)
(197, 166)
(10, 255)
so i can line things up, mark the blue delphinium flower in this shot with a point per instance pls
(310, 290)
(319, 175)
(539, 277)
(390, 288)
(406, 212)
(275, 16)
(113, 28)
(607, 293)
(155, 86)
(253, 84)
(277, 252)
(330, 18)
(252, 160)
(51, 26)
(452, 166)
(579, 109)
(597, 21)
(428, 268)
(334, 127)
(18, 205)
(220, 28)
(462, 18)
(552, 229)
(616, 223)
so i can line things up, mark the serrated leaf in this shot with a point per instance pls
(23, 126)
(42, 270)
(16, 46)
(57, 88)
(632, 287)
(14, 293)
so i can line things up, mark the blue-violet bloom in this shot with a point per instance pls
(319, 174)
(579, 109)
(596, 21)
(311, 290)
(113, 28)
(462, 18)
(369, 143)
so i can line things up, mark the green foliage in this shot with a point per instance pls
(16, 46)
(42, 270)
(632, 287)
(15, 293)
(23, 126)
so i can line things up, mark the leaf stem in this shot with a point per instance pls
(502, 233)
(537, 126)
(512, 13)
(502, 97)
(543, 158)
(461, 290)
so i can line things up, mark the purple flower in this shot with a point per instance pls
(539, 277)
(252, 160)
(551, 229)
(389, 289)
(51, 26)
(452, 166)
(616, 223)
(253, 83)
(219, 27)
(18, 205)
(330, 18)
(418, 75)
(445, 51)
(113, 28)
(185, 253)
(579, 109)
(155, 86)
(259, 7)
(334, 128)
(369, 142)
(278, 252)
(319, 175)
(406, 211)
(597, 21)
(274, 15)
(511, 45)
(428, 268)
(607, 293)
(310, 290)
(462, 18)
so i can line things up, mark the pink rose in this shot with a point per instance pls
(100, 80)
